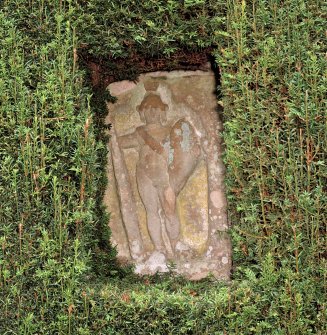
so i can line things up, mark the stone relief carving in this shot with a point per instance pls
(168, 203)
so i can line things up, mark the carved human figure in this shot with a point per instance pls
(168, 154)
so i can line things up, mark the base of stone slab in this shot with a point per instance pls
(197, 269)
(202, 268)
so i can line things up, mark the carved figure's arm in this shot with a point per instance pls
(128, 141)
(150, 141)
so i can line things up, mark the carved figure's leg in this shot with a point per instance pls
(168, 201)
(149, 196)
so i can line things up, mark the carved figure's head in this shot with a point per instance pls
(152, 109)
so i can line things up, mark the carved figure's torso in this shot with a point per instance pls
(151, 161)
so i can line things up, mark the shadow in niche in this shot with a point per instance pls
(220, 110)
(216, 70)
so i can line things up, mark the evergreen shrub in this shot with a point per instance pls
(57, 270)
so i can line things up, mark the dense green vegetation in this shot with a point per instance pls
(57, 271)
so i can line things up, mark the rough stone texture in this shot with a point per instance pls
(166, 192)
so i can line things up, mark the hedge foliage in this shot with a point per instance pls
(54, 245)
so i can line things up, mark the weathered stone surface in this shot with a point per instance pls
(166, 191)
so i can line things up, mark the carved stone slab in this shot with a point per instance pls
(166, 176)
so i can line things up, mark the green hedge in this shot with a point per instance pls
(48, 170)
(54, 242)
